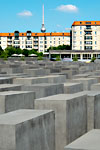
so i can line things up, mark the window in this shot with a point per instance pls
(88, 27)
(81, 42)
(80, 47)
(74, 37)
(95, 42)
(88, 42)
(88, 47)
(95, 33)
(88, 37)
(45, 38)
(88, 33)
(28, 38)
(80, 27)
(74, 32)
(80, 32)
(28, 42)
(88, 22)
(41, 38)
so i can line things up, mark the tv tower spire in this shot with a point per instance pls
(43, 29)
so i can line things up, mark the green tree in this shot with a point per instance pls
(75, 58)
(1, 50)
(18, 51)
(60, 47)
(10, 51)
(25, 52)
(93, 59)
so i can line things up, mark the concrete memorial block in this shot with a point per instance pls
(27, 130)
(6, 80)
(37, 72)
(96, 76)
(13, 100)
(38, 80)
(93, 109)
(87, 82)
(70, 116)
(14, 75)
(95, 87)
(10, 87)
(44, 89)
(12, 70)
(70, 88)
(89, 141)
(81, 76)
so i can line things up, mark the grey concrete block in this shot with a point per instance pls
(70, 116)
(38, 80)
(12, 70)
(70, 88)
(93, 109)
(81, 76)
(89, 141)
(95, 87)
(87, 82)
(13, 100)
(6, 80)
(37, 72)
(96, 77)
(10, 87)
(27, 130)
(44, 89)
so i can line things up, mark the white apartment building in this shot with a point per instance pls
(85, 35)
(38, 41)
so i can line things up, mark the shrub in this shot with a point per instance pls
(75, 58)
(93, 59)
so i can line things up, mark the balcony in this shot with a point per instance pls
(36, 39)
(88, 29)
(9, 40)
(88, 33)
(88, 43)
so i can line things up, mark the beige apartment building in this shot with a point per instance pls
(85, 35)
(37, 41)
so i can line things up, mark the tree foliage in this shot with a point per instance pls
(60, 47)
(9, 51)
(75, 58)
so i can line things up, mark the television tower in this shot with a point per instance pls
(43, 29)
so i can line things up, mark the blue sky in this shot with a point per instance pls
(26, 15)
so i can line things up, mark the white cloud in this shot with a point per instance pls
(67, 8)
(25, 13)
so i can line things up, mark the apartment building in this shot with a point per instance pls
(38, 41)
(85, 35)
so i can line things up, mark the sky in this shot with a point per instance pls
(23, 15)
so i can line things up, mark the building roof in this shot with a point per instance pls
(36, 34)
(84, 23)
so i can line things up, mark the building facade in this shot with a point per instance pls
(85, 35)
(37, 41)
